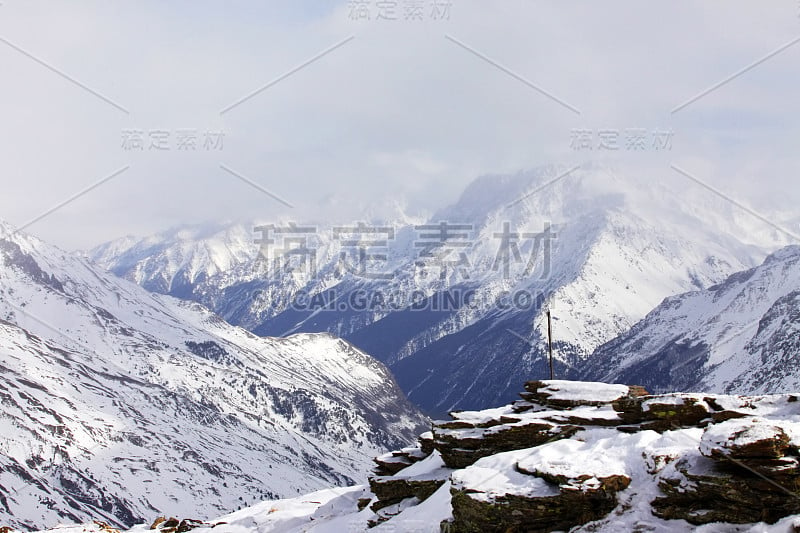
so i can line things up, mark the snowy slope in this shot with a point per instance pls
(174, 261)
(118, 403)
(669, 470)
(616, 247)
(740, 336)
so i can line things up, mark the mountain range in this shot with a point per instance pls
(455, 304)
(119, 404)
(741, 335)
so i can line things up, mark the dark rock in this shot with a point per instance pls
(541, 392)
(426, 443)
(773, 446)
(702, 491)
(362, 503)
(391, 490)
(663, 412)
(389, 466)
(394, 462)
(614, 483)
(461, 448)
(188, 524)
(510, 513)
(171, 522)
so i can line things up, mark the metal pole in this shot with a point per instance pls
(550, 342)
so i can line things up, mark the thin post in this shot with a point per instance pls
(550, 342)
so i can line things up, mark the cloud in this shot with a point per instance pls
(400, 114)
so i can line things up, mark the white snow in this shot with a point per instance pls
(101, 389)
(737, 432)
(583, 390)
(575, 458)
(645, 457)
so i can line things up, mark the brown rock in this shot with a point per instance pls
(390, 467)
(704, 491)
(188, 524)
(460, 449)
(512, 513)
(773, 447)
(170, 522)
(537, 393)
(362, 503)
(637, 390)
(426, 443)
(613, 483)
(673, 412)
(390, 491)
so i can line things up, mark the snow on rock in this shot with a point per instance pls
(745, 437)
(578, 464)
(649, 469)
(497, 476)
(558, 393)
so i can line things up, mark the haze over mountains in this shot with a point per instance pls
(599, 248)
(119, 404)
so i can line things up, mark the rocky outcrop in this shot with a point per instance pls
(573, 456)
(559, 457)
(396, 487)
(460, 448)
(518, 513)
(747, 471)
(391, 490)
(176, 525)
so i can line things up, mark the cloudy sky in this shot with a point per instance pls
(191, 111)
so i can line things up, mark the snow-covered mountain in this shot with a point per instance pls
(461, 320)
(174, 261)
(118, 404)
(740, 336)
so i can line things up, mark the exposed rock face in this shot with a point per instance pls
(422, 473)
(565, 394)
(747, 472)
(390, 491)
(462, 447)
(517, 513)
(637, 462)
(672, 411)
(175, 525)
(559, 458)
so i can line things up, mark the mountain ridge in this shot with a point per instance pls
(735, 336)
(111, 389)
(601, 249)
